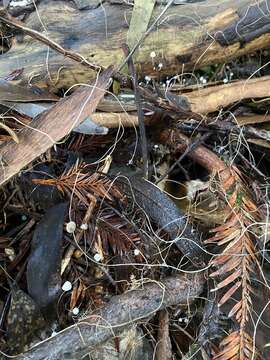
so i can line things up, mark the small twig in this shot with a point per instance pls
(250, 165)
(10, 131)
(202, 155)
(139, 110)
(164, 346)
(72, 248)
(17, 24)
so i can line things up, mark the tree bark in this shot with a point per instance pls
(186, 38)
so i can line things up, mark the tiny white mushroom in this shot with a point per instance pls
(152, 54)
(136, 252)
(147, 78)
(84, 226)
(97, 257)
(76, 311)
(67, 286)
(71, 227)
(10, 252)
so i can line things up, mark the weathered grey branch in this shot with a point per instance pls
(121, 311)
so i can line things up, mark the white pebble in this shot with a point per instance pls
(67, 286)
(152, 54)
(84, 226)
(136, 252)
(75, 311)
(97, 257)
(71, 227)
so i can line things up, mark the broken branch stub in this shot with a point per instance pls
(52, 126)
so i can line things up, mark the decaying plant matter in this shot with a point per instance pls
(237, 263)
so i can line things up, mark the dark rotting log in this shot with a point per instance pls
(187, 37)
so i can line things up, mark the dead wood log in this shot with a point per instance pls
(121, 311)
(187, 37)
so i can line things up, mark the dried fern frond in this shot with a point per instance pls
(236, 263)
(80, 181)
(235, 349)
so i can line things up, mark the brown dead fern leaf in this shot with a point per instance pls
(80, 181)
(236, 264)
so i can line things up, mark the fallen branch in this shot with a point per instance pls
(121, 311)
(214, 98)
(202, 101)
(51, 127)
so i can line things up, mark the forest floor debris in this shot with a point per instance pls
(135, 194)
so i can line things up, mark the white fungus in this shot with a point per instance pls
(152, 54)
(147, 78)
(136, 252)
(97, 257)
(71, 227)
(84, 226)
(67, 286)
(75, 311)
